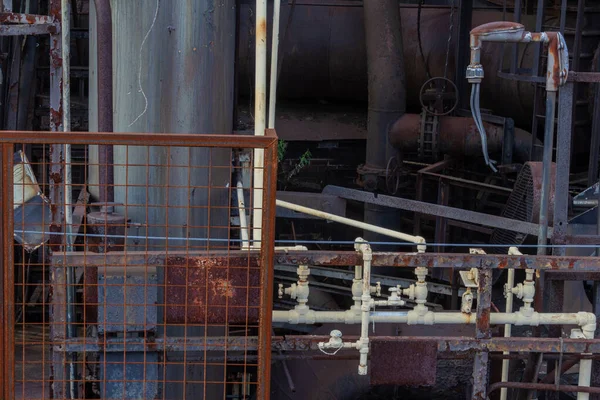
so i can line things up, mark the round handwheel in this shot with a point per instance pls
(392, 175)
(438, 96)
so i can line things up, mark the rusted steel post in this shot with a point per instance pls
(482, 331)
(105, 98)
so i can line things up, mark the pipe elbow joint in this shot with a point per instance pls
(587, 322)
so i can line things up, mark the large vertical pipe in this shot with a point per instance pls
(387, 89)
(105, 97)
(173, 72)
(260, 115)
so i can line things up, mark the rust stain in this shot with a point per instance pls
(261, 30)
(495, 26)
(222, 287)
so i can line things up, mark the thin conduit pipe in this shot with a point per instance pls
(260, 102)
(65, 15)
(274, 57)
(421, 244)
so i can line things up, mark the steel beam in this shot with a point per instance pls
(436, 210)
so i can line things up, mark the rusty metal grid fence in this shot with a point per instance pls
(146, 296)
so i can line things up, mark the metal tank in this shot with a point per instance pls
(173, 71)
(323, 56)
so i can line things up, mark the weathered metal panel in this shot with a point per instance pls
(211, 291)
(127, 302)
(129, 375)
(417, 367)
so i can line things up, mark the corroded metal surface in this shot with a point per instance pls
(418, 365)
(214, 291)
(349, 258)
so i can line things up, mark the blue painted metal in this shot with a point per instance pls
(127, 303)
(129, 375)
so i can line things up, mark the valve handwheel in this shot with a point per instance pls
(439, 96)
(392, 175)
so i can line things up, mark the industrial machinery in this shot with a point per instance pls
(299, 199)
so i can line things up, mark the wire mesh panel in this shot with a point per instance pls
(128, 283)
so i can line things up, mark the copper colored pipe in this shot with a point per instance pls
(105, 97)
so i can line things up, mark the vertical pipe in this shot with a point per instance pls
(387, 91)
(65, 14)
(260, 103)
(105, 98)
(242, 212)
(274, 56)
(507, 330)
(547, 164)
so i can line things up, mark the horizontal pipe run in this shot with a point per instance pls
(357, 224)
(430, 318)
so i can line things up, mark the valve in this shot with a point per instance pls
(292, 291)
(376, 289)
(467, 302)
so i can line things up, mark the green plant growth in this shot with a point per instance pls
(302, 162)
(281, 148)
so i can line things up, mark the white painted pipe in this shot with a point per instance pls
(274, 56)
(507, 330)
(584, 319)
(260, 115)
(242, 211)
(510, 283)
(363, 344)
(421, 244)
(585, 378)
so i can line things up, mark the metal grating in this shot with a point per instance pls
(523, 205)
(151, 297)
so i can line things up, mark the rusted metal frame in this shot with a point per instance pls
(448, 346)
(563, 163)
(572, 276)
(436, 210)
(543, 386)
(6, 275)
(27, 29)
(440, 165)
(136, 139)
(19, 18)
(582, 239)
(460, 345)
(267, 247)
(574, 264)
(482, 331)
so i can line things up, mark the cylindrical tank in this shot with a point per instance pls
(173, 67)
(323, 56)
(173, 72)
